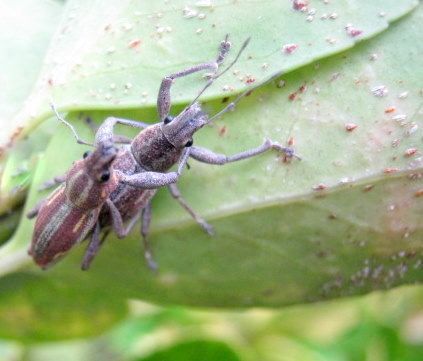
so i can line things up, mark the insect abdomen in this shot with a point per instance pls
(58, 228)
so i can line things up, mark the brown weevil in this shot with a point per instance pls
(71, 212)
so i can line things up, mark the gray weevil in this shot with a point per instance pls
(159, 146)
(142, 164)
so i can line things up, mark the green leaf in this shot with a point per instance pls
(93, 63)
(26, 27)
(383, 324)
(278, 241)
(19, 167)
(10, 350)
(8, 223)
(193, 351)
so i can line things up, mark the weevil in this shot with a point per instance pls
(142, 164)
(158, 147)
(70, 214)
(124, 197)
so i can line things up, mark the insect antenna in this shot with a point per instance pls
(216, 76)
(59, 117)
(232, 104)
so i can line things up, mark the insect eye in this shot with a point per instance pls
(86, 154)
(168, 119)
(189, 143)
(105, 176)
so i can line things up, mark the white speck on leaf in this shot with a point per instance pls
(412, 129)
(399, 117)
(289, 48)
(373, 57)
(379, 91)
(300, 5)
(189, 13)
(352, 31)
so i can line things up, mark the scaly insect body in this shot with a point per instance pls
(149, 151)
(158, 147)
(141, 166)
(71, 212)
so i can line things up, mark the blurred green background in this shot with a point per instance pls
(383, 326)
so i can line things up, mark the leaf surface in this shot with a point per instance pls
(279, 239)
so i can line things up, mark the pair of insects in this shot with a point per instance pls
(113, 187)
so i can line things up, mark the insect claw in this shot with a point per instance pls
(208, 228)
(290, 153)
(150, 261)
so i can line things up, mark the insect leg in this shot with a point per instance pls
(121, 139)
(53, 182)
(105, 130)
(209, 157)
(176, 194)
(117, 221)
(34, 211)
(153, 180)
(163, 99)
(117, 139)
(145, 229)
(93, 247)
